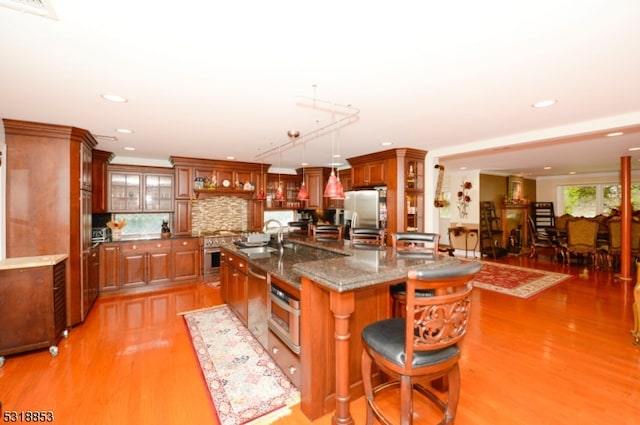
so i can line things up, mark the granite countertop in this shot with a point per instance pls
(28, 262)
(341, 267)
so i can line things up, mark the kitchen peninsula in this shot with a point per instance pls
(341, 290)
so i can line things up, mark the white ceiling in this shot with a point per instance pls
(209, 79)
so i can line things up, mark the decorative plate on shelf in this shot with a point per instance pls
(226, 183)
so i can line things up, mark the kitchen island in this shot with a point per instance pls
(342, 289)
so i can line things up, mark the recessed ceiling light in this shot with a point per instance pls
(572, 172)
(129, 148)
(113, 98)
(634, 149)
(547, 168)
(386, 143)
(544, 103)
(304, 164)
(231, 158)
(463, 168)
(615, 133)
(124, 130)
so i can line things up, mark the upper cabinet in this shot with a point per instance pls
(99, 175)
(401, 171)
(369, 174)
(137, 189)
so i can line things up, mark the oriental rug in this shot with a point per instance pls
(517, 281)
(245, 385)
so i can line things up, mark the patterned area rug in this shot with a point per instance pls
(246, 386)
(517, 281)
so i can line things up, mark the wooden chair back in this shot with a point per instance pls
(582, 234)
(441, 320)
(367, 236)
(327, 232)
(424, 241)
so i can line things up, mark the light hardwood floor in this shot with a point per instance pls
(564, 356)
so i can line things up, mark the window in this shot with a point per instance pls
(591, 200)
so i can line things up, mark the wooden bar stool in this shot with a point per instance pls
(425, 348)
(410, 244)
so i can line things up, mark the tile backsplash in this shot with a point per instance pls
(219, 213)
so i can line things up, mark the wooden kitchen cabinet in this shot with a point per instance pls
(145, 262)
(137, 189)
(186, 170)
(32, 304)
(186, 256)
(234, 283)
(369, 174)
(402, 172)
(290, 184)
(48, 201)
(99, 175)
(109, 266)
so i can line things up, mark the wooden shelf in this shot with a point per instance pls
(246, 194)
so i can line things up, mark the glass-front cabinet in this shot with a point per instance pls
(414, 194)
(133, 190)
(158, 192)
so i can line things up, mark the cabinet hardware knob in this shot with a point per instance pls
(292, 370)
(134, 247)
(159, 245)
(275, 350)
(184, 243)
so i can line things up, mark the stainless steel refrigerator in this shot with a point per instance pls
(362, 208)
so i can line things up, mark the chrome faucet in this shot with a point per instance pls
(279, 235)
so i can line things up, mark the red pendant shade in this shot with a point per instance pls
(303, 193)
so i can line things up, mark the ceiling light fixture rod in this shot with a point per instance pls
(334, 125)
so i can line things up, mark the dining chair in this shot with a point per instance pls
(415, 352)
(582, 235)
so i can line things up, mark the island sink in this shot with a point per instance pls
(257, 251)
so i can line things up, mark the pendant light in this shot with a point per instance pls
(261, 195)
(279, 196)
(331, 190)
(303, 193)
(339, 187)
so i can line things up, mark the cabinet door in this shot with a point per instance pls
(158, 192)
(377, 172)
(109, 266)
(182, 224)
(183, 182)
(85, 167)
(315, 186)
(224, 277)
(159, 266)
(134, 266)
(186, 259)
(125, 192)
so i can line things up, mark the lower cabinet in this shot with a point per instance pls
(33, 308)
(139, 264)
(234, 284)
(186, 257)
(286, 359)
(146, 262)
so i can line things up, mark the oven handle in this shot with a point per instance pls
(295, 308)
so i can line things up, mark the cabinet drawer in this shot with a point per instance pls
(145, 246)
(185, 244)
(286, 359)
(236, 261)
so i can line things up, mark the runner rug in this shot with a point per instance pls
(517, 281)
(246, 386)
